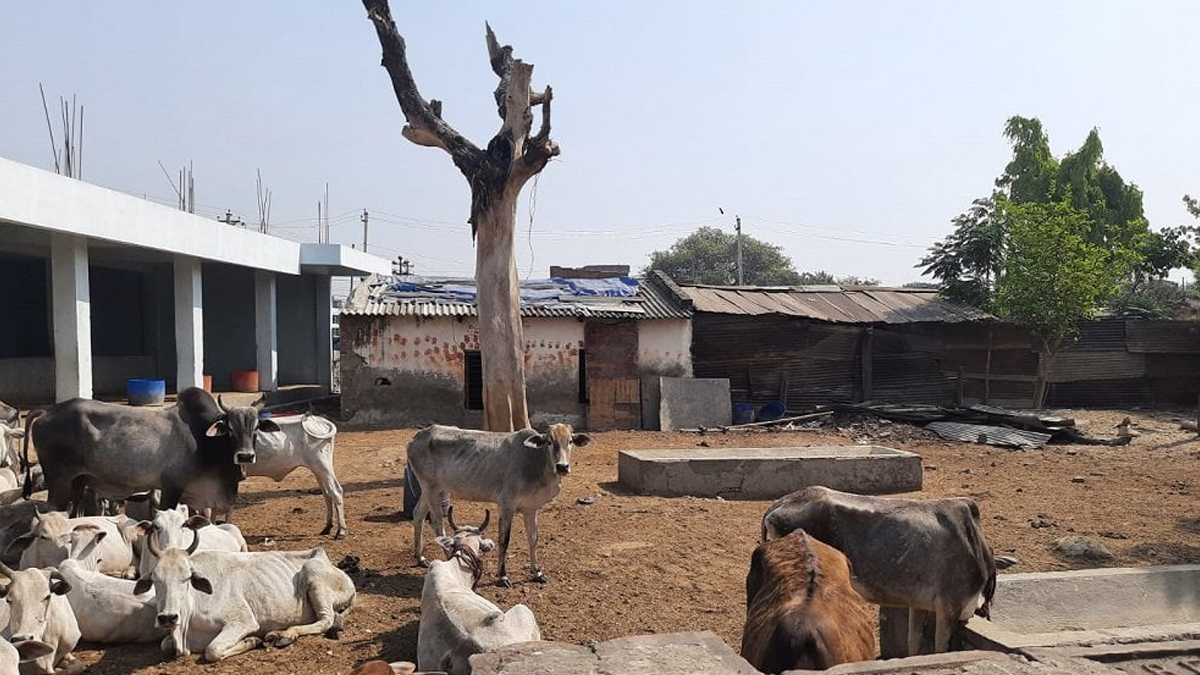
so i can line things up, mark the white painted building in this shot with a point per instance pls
(97, 287)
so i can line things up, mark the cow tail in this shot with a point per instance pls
(983, 554)
(27, 489)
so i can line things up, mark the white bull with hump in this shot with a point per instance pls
(520, 472)
(455, 621)
(304, 441)
(169, 529)
(225, 603)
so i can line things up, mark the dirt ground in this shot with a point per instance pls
(628, 564)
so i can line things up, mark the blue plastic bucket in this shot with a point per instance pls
(772, 411)
(146, 392)
(743, 413)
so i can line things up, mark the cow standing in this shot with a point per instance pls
(38, 610)
(801, 610)
(920, 554)
(521, 472)
(455, 621)
(302, 441)
(189, 451)
(228, 603)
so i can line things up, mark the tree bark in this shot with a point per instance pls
(496, 175)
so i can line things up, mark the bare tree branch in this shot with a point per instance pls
(425, 124)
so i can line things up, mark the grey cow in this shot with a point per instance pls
(922, 554)
(519, 471)
(190, 450)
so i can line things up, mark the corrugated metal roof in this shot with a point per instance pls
(837, 304)
(982, 433)
(371, 298)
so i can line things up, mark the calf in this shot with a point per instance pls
(39, 610)
(168, 530)
(106, 609)
(920, 554)
(228, 603)
(801, 610)
(305, 441)
(455, 621)
(521, 472)
(49, 541)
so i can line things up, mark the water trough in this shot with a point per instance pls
(768, 473)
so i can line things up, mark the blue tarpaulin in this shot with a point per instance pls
(533, 291)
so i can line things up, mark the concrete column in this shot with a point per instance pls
(72, 317)
(266, 328)
(322, 295)
(189, 323)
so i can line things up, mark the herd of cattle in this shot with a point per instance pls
(161, 570)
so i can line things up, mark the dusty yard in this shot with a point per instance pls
(629, 564)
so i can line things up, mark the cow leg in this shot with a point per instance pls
(69, 665)
(320, 598)
(332, 489)
(419, 513)
(236, 637)
(171, 494)
(506, 518)
(914, 632)
(531, 534)
(946, 623)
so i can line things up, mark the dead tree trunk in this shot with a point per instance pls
(496, 175)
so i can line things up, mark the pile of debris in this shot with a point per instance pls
(985, 424)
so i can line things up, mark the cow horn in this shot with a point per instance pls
(151, 545)
(487, 515)
(260, 403)
(221, 405)
(450, 519)
(6, 570)
(195, 542)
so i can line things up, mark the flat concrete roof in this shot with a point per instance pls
(40, 199)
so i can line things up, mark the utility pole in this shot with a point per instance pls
(738, 227)
(365, 220)
(228, 219)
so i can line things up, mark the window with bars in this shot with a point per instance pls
(473, 365)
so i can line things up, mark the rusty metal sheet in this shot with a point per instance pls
(998, 436)
(1163, 337)
(1074, 366)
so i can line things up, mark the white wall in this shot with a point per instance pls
(665, 347)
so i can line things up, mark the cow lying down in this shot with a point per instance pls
(170, 529)
(801, 610)
(455, 621)
(922, 554)
(225, 603)
(37, 610)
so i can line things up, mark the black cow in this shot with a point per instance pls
(189, 451)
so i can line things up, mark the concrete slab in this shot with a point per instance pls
(670, 654)
(1088, 607)
(768, 473)
(689, 403)
(956, 663)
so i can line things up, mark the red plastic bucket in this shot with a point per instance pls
(244, 381)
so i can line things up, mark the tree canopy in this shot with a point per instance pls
(709, 256)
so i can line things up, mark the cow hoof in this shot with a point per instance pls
(278, 640)
(340, 535)
(540, 577)
(421, 562)
(503, 582)
(327, 530)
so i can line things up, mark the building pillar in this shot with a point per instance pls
(266, 327)
(323, 305)
(189, 323)
(71, 301)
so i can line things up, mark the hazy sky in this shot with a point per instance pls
(848, 132)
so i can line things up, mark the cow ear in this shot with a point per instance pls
(201, 584)
(145, 527)
(196, 522)
(143, 585)
(268, 426)
(580, 440)
(535, 441)
(218, 428)
(59, 587)
(30, 650)
(4, 589)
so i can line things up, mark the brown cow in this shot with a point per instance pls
(801, 611)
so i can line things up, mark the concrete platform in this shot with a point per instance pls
(669, 654)
(1091, 607)
(768, 473)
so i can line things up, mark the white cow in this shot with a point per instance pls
(10, 463)
(38, 610)
(12, 656)
(455, 621)
(169, 530)
(106, 608)
(228, 603)
(48, 541)
(306, 441)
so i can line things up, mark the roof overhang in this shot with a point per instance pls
(340, 261)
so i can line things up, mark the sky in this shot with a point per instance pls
(849, 133)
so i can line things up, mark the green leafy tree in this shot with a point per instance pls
(1149, 299)
(1054, 277)
(818, 278)
(853, 280)
(970, 258)
(921, 285)
(709, 256)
